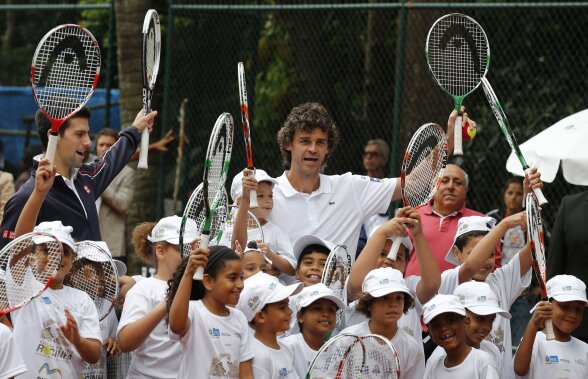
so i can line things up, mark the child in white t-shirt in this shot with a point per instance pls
(275, 244)
(252, 258)
(444, 315)
(565, 356)
(142, 327)
(473, 252)
(481, 306)
(385, 298)
(316, 313)
(264, 302)
(375, 255)
(215, 338)
(11, 363)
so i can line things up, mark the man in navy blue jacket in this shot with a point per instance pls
(72, 199)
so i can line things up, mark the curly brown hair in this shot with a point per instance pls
(144, 249)
(307, 117)
(366, 300)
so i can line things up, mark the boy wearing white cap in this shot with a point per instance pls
(385, 298)
(316, 314)
(58, 331)
(264, 301)
(473, 252)
(444, 315)
(566, 356)
(142, 327)
(375, 255)
(481, 306)
(275, 245)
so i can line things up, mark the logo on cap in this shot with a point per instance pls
(253, 303)
(385, 281)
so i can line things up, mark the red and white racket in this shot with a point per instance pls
(64, 74)
(244, 105)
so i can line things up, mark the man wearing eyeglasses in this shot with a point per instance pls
(375, 158)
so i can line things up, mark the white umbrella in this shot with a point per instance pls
(565, 141)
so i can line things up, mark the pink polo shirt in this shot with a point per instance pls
(439, 232)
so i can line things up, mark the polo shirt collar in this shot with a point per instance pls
(289, 191)
(37, 159)
(428, 209)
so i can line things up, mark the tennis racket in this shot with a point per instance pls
(244, 105)
(423, 164)
(341, 357)
(458, 56)
(180, 157)
(254, 229)
(216, 168)
(381, 358)
(64, 74)
(28, 266)
(336, 271)
(535, 236)
(150, 54)
(508, 133)
(94, 272)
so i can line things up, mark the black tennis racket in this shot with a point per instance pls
(458, 56)
(28, 266)
(244, 105)
(150, 54)
(64, 74)
(422, 170)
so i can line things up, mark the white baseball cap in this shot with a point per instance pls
(566, 288)
(168, 230)
(382, 281)
(442, 304)
(61, 232)
(237, 184)
(478, 298)
(255, 248)
(306, 240)
(466, 225)
(261, 289)
(406, 241)
(310, 294)
(85, 251)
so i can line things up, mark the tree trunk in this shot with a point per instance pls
(129, 23)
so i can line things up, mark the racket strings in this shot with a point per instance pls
(342, 357)
(218, 155)
(381, 358)
(150, 54)
(457, 52)
(27, 266)
(254, 229)
(65, 69)
(336, 270)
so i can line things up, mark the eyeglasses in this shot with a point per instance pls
(371, 154)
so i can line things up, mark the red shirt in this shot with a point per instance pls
(440, 232)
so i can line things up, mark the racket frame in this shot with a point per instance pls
(56, 123)
(244, 106)
(151, 25)
(330, 343)
(383, 341)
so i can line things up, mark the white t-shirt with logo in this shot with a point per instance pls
(335, 211)
(302, 354)
(11, 363)
(158, 357)
(507, 284)
(410, 353)
(558, 360)
(269, 363)
(214, 346)
(43, 347)
(107, 329)
(477, 365)
(486, 346)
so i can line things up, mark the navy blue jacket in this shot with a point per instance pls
(61, 202)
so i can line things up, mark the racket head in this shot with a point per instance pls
(151, 50)
(244, 106)
(28, 266)
(536, 238)
(65, 71)
(340, 357)
(381, 358)
(336, 271)
(196, 210)
(458, 54)
(218, 157)
(423, 165)
(94, 272)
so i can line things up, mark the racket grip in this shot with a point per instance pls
(199, 274)
(253, 195)
(396, 241)
(457, 141)
(549, 335)
(144, 147)
(542, 200)
(51, 148)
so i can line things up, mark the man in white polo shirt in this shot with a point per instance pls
(332, 207)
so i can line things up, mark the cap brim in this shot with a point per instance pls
(306, 240)
(285, 292)
(338, 302)
(565, 298)
(379, 292)
(121, 268)
(440, 310)
(449, 257)
(44, 239)
(484, 310)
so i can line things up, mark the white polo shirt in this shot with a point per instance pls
(335, 211)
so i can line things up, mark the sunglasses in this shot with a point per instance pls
(371, 154)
